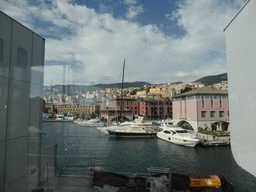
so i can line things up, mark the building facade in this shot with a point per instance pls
(201, 107)
(155, 109)
(88, 109)
(21, 99)
(126, 103)
(151, 109)
(115, 114)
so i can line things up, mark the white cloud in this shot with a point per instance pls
(95, 44)
(133, 11)
(130, 2)
(181, 74)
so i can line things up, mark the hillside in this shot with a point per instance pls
(74, 89)
(125, 85)
(210, 80)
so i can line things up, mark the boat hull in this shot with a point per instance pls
(179, 141)
(130, 134)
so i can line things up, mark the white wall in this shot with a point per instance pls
(241, 59)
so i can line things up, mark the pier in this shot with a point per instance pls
(211, 140)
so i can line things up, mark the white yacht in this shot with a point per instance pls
(92, 122)
(131, 129)
(125, 130)
(137, 123)
(177, 135)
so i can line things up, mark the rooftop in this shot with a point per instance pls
(203, 91)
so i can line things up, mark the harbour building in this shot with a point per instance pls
(201, 108)
(21, 88)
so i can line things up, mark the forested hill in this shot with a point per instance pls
(125, 85)
(210, 80)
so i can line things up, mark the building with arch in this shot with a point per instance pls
(200, 108)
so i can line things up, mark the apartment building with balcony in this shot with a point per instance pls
(201, 107)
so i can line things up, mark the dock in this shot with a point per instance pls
(209, 143)
(210, 140)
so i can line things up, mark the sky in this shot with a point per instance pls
(86, 41)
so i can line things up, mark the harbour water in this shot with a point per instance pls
(79, 145)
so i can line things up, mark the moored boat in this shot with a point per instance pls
(177, 135)
(92, 122)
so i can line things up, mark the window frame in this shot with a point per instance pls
(203, 112)
(1, 50)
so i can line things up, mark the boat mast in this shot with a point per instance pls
(121, 118)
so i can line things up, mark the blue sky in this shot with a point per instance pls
(162, 41)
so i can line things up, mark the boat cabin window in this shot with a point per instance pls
(182, 131)
(123, 125)
(167, 132)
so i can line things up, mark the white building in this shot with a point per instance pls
(241, 58)
(21, 93)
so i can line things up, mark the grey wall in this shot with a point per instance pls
(21, 81)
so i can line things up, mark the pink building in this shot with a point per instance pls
(127, 103)
(201, 107)
(153, 109)
(115, 114)
(156, 109)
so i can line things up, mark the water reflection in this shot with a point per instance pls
(87, 145)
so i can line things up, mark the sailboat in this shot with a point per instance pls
(130, 129)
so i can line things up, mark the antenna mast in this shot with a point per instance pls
(121, 118)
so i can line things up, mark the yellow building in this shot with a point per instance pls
(153, 90)
(79, 108)
(140, 93)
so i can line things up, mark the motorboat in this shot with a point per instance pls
(177, 135)
(133, 132)
(131, 129)
(167, 121)
(92, 122)
(137, 123)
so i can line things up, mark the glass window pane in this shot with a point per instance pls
(1, 50)
(22, 58)
(203, 113)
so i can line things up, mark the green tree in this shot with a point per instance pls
(134, 92)
(185, 90)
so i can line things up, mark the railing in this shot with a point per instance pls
(48, 163)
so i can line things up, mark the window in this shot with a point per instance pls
(203, 114)
(1, 50)
(211, 102)
(22, 58)
(167, 132)
(221, 106)
(212, 114)
(228, 113)
(221, 114)
(202, 103)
